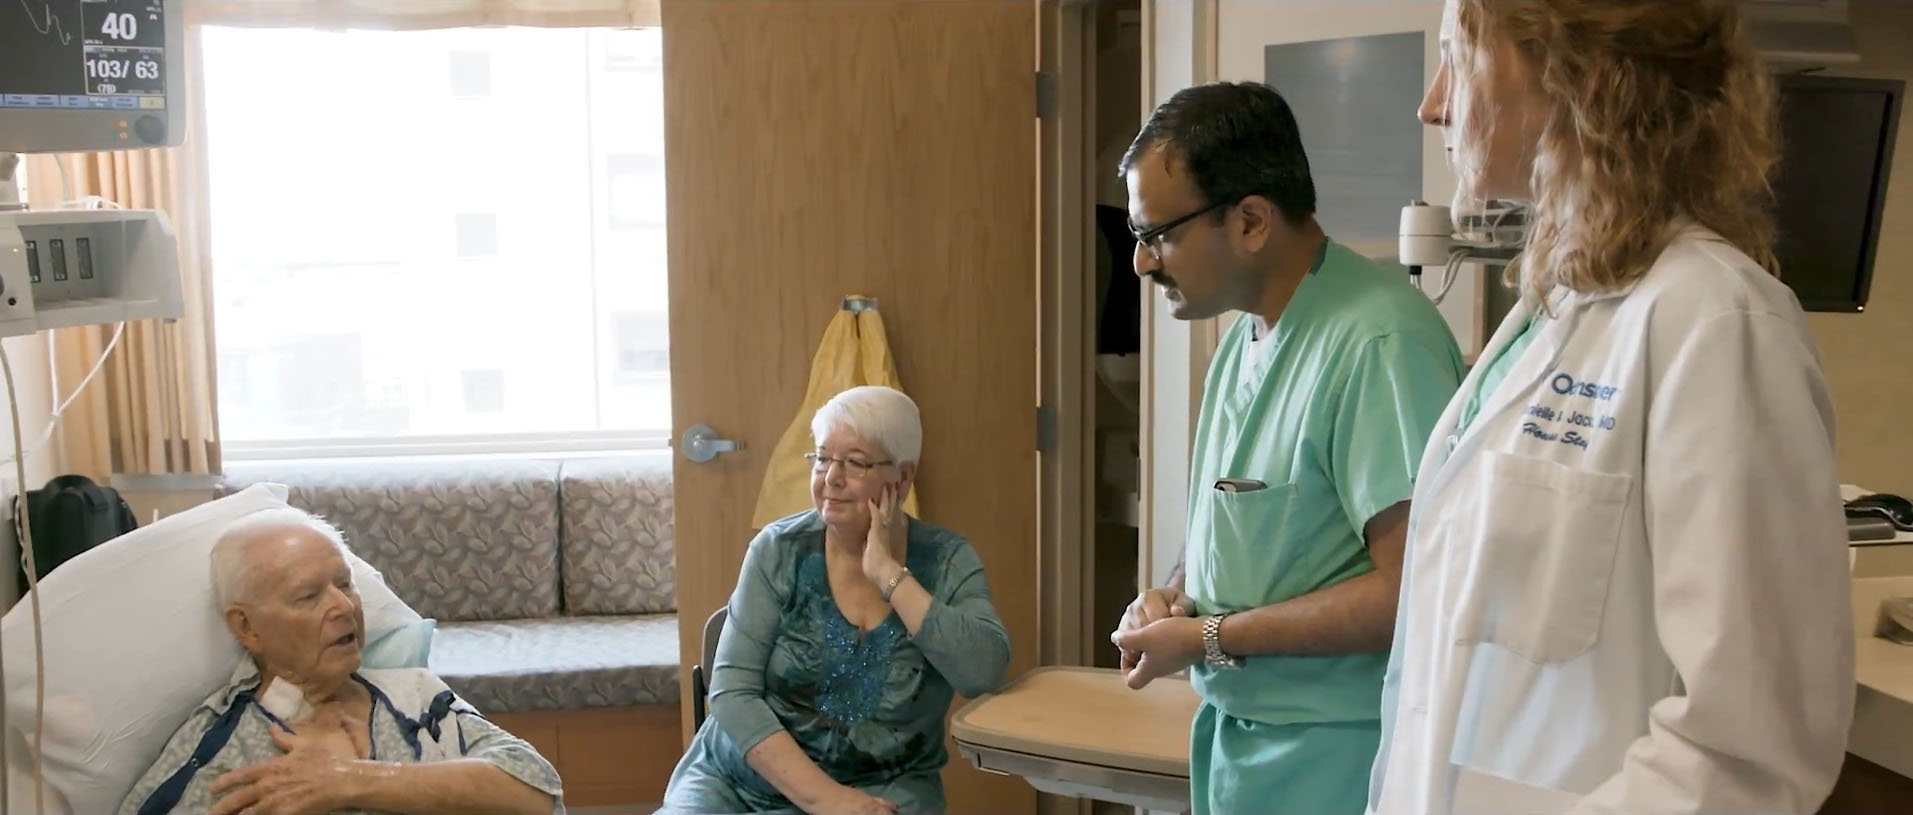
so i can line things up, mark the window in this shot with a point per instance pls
(471, 74)
(438, 241)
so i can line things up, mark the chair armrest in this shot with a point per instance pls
(699, 692)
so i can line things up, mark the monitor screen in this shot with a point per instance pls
(105, 54)
(1837, 147)
(89, 74)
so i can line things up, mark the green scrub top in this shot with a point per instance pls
(1331, 412)
(1497, 370)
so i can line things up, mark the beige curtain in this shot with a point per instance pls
(151, 408)
(423, 14)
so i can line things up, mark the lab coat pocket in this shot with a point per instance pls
(1247, 544)
(1548, 536)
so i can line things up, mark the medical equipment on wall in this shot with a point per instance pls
(61, 268)
(1432, 237)
(78, 76)
(96, 75)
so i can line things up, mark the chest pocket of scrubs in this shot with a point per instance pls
(1248, 546)
(1548, 534)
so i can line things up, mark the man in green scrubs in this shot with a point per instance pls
(1314, 414)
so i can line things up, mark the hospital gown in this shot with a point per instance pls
(467, 734)
(867, 707)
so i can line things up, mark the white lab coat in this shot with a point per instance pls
(1627, 580)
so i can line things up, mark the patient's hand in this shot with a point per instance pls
(301, 782)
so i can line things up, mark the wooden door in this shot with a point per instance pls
(819, 149)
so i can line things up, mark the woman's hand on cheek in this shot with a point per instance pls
(888, 526)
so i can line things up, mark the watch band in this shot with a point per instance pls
(1212, 653)
(891, 587)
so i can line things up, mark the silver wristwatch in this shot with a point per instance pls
(1212, 654)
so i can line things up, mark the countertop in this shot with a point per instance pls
(1883, 679)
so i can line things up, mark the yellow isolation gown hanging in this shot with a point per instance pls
(854, 352)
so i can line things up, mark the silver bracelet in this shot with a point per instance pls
(891, 587)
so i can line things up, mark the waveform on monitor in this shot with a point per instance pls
(51, 27)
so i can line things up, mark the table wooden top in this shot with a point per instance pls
(1088, 716)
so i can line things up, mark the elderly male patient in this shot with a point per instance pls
(302, 730)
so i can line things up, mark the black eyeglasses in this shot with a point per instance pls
(1151, 238)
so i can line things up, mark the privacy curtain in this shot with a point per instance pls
(854, 352)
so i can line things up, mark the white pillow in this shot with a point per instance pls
(133, 644)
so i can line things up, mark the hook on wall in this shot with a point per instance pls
(858, 303)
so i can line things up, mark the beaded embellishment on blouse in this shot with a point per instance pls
(855, 665)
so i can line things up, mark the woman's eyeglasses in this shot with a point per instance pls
(855, 468)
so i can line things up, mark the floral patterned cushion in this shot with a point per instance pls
(456, 540)
(615, 538)
(560, 663)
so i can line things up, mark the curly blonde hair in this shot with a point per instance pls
(1657, 110)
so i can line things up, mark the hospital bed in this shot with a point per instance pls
(1082, 733)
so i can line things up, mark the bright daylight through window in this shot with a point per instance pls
(437, 241)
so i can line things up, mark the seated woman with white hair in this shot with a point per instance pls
(301, 729)
(851, 627)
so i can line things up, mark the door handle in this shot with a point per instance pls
(701, 444)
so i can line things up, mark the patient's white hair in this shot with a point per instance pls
(881, 415)
(235, 576)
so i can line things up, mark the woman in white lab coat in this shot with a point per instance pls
(1626, 587)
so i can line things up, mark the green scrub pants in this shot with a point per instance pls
(1242, 767)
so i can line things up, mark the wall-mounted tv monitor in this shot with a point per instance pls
(1837, 150)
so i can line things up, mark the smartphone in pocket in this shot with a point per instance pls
(1240, 485)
